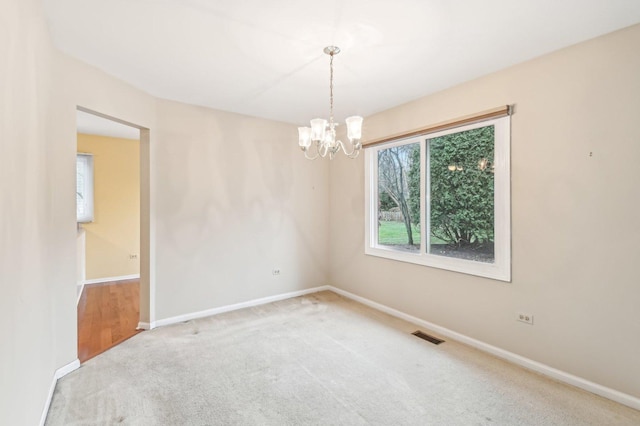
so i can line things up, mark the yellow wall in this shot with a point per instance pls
(114, 234)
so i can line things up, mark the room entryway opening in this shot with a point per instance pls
(112, 238)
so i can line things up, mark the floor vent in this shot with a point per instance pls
(427, 337)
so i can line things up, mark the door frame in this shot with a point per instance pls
(147, 254)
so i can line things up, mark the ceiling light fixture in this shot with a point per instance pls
(322, 134)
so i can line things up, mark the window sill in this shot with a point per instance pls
(494, 271)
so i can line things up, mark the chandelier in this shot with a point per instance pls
(322, 134)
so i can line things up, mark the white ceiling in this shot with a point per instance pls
(93, 125)
(264, 57)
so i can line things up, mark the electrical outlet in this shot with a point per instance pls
(133, 256)
(275, 271)
(526, 318)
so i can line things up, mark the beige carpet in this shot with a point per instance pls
(317, 359)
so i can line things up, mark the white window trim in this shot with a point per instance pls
(501, 268)
(88, 189)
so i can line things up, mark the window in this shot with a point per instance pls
(84, 188)
(443, 199)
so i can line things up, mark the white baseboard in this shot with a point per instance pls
(530, 364)
(242, 305)
(59, 373)
(110, 279)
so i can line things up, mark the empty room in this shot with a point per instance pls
(349, 212)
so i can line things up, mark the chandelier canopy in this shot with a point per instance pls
(320, 139)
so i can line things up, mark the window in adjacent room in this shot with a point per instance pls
(84, 188)
(443, 199)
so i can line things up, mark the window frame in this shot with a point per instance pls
(500, 269)
(88, 197)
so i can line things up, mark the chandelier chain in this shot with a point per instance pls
(331, 126)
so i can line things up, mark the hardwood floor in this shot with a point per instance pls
(108, 314)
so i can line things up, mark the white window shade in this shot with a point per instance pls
(84, 188)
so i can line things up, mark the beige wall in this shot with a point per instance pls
(236, 199)
(114, 234)
(37, 239)
(225, 199)
(574, 234)
(39, 91)
(81, 85)
(230, 197)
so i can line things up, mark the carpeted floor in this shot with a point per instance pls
(317, 359)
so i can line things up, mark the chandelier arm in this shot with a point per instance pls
(306, 155)
(342, 146)
(354, 150)
(309, 155)
(322, 149)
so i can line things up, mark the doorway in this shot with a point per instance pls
(112, 221)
